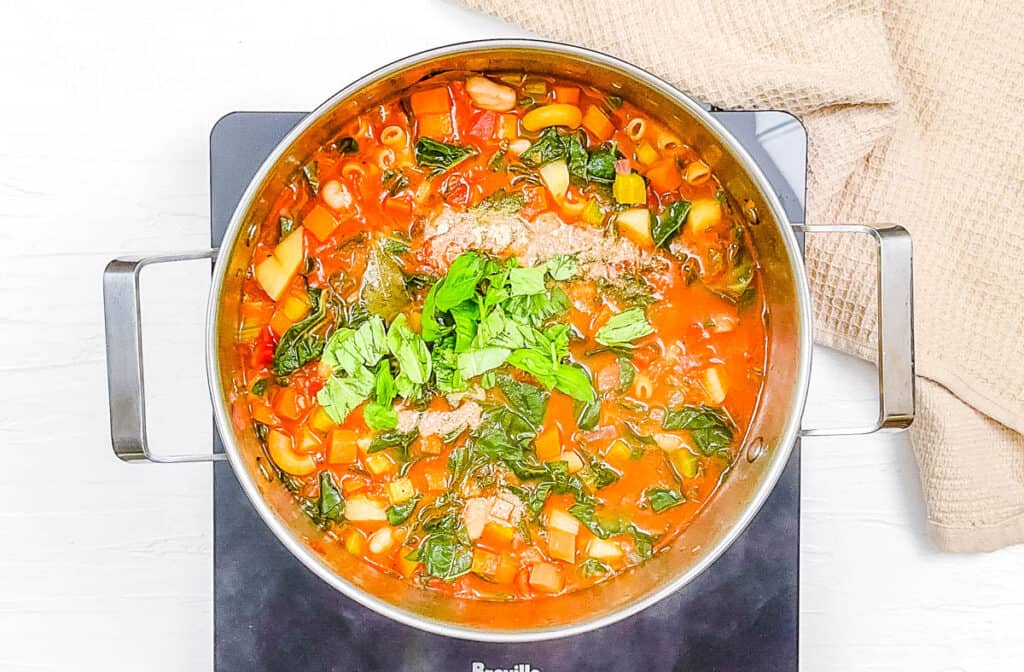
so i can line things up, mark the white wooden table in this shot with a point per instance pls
(103, 151)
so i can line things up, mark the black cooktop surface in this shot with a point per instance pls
(272, 614)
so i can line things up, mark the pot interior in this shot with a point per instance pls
(765, 448)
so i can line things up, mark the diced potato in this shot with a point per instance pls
(518, 146)
(646, 154)
(406, 566)
(431, 445)
(546, 578)
(573, 461)
(363, 443)
(354, 541)
(275, 272)
(280, 322)
(341, 448)
(378, 464)
(629, 189)
(362, 509)
(307, 441)
(704, 214)
(602, 549)
(597, 122)
(279, 445)
(263, 414)
(549, 445)
(715, 385)
(295, 306)
(561, 545)
(685, 463)
(381, 541)
(561, 520)
(474, 516)
(496, 534)
(504, 506)
(507, 569)
(635, 224)
(485, 563)
(618, 453)
(555, 176)
(320, 222)
(400, 491)
(320, 421)
(669, 442)
(555, 114)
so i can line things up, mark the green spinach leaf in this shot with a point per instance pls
(399, 513)
(624, 327)
(710, 428)
(440, 155)
(303, 341)
(665, 226)
(661, 499)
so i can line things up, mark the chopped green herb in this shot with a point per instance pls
(709, 427)
(440, 155)
(665, 226)
(624, 327)
(259, 388)
(346, 145)
(399, 513)
(661, 499)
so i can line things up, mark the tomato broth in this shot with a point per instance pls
(502, 336)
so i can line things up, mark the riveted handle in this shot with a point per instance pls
(122, 316)
(895, 328)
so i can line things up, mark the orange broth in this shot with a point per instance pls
(625, 434)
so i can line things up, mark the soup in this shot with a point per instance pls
(502, 336)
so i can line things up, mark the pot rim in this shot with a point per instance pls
(780, 454)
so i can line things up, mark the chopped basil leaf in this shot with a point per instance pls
(528, 400)
(525, 281)
(480, 361)
(411, 352)
(352, 349)
(624, 327)
(340, 395)
(460, 284)
(562, 267)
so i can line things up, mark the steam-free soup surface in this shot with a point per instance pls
(502, 336)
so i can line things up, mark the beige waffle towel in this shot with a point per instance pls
(915, 113)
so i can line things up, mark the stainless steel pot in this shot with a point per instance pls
(766, 446)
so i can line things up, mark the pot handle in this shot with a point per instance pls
(895, 328)
(122, 317)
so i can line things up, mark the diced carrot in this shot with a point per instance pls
(431, 101)
(567, 94)
(434, 126)
(342, 446)
(263, 414)
(280, 322)
(485, 562)
(598, 123)
(398, 206)
(320, 222)
(497, 535)
(561, 545)
(664, 175)
(287, 404)
(295, 306)
(618, 453)
(507, 569)
(508, 127)
(549, 445)
(307, 441)
(546, 577)
(353, 484)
